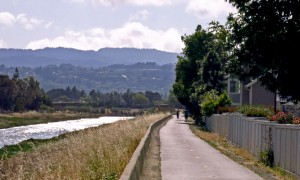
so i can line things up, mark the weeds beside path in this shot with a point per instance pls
(240, 155)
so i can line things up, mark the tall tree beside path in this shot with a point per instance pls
(187, 68)
(266, 36)
(202, 66)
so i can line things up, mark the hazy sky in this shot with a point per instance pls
(95, 24)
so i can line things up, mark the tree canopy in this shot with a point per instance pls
(21, 94)
(265, 37)
(201, 68)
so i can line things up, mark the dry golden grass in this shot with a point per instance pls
(56, 114)
(240, 155)
(35, 114)
(33, 117)
(95, 153)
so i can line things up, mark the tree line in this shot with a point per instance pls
(258, 42)
(21, 94)
(95, 98)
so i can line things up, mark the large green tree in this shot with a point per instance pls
(201, 68)
(265, 37)
(153, 96)
(8, 89)
(21, 94)
(127, 96)
(187, 68)
(211, 69)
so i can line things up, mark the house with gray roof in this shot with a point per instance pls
(252, 93)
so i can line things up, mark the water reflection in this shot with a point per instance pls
(15, 135)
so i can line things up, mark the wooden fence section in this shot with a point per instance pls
(257, 134)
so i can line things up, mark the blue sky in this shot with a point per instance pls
(95, 24)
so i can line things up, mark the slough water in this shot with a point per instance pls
(18, 134)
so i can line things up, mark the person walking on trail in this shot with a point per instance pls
(186, 115)
(177, 113)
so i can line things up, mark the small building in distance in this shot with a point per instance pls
(252, 93)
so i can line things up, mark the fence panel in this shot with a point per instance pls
(298, 153)
(255, 135)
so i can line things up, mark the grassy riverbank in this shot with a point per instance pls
(33, 117)
(94, 153)
(8, 120)
(240, 155)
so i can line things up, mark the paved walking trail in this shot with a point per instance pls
(186, 157)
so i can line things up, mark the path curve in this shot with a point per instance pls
(186, 157)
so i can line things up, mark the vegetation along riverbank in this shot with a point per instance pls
(33, 117)
(94, 153)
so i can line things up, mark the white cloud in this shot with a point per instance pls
(152, 2)
(140, 15)
(28, 23)
(132, 34)
(119, 2)
(7, 19)
(48, 25)
(2, 44)
(211, 9)
(75, 1)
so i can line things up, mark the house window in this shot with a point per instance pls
(234, 86)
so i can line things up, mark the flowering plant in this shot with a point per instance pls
(296, 120)
(285, 118)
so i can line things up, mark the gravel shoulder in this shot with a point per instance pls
(152, 162)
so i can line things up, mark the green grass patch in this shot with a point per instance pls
(7, 122)
(25, 146)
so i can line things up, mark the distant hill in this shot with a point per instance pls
(101, 58)
(137, 77)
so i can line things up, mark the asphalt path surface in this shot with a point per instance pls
(186, 157)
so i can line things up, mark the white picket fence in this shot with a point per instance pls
(254, 134)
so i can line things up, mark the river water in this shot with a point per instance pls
(18, 134)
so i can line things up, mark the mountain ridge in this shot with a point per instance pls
(87, 58)
(118, 77)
